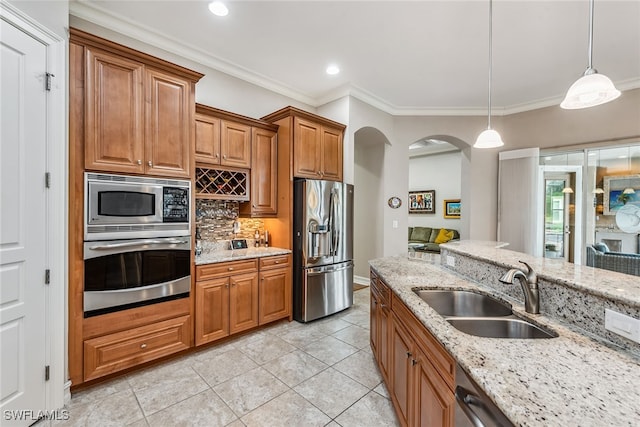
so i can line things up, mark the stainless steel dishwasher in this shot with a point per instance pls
(473, 406)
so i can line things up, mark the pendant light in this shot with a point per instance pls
(489, 138)
(629, 189)
(567, 189)
(592, 88)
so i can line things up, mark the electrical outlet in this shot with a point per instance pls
(394, 224)
(451, 261)
(621, 324)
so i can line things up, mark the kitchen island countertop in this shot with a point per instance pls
(574, 379)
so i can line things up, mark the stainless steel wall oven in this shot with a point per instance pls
(137, 248)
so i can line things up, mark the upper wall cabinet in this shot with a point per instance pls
(138, 110)
(317, 143)
(228, 139)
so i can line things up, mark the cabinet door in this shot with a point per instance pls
(307, 149)
(264, 173)
(207, 139)
(384, 325)
(374, 335)
(114, 113)
(275, 294)
(168, 125)
(243, 302)
(434, 401)
(331, 154)
(401, 371)
(235, 144)
(212, 310)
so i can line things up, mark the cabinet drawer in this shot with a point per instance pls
(274, 262)
(221, 269)
(115, 352)
(382, 291)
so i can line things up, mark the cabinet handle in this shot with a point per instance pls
(149, 163)
(253, 206)
(139, 161)
(409, 354)
(226, 286)
(143, 346)
(414, 362)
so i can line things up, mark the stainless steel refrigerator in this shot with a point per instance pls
(322, 248)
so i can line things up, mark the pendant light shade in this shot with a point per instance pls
(567, 190)
(628, 190)
(592, 88)
(489, 138)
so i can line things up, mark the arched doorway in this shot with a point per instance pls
(368, 238)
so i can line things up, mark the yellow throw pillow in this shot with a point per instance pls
(444, 236)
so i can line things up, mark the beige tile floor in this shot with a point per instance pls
(289, 374)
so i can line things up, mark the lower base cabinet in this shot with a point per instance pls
(420, 375)
(114, 352)
(236, 296)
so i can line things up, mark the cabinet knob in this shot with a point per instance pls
(224, 156)
(414, 362)
(230, 268)
(277, 262)
(216, 155)
(143, 346)
(139, 162)
(226, 286)
(409, 354)
(149, 163)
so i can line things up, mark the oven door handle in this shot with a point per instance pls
(138, 243)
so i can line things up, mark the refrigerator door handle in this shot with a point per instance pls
(334, 232)
(328, 268)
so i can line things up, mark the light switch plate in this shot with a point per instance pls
(394, 224)
(622, 324)
(451, 261)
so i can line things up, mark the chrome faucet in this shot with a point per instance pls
(529, 284)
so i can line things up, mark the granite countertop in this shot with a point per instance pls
(223, 255)
(597, 281)
(574, 379)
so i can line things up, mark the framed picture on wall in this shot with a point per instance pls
(451, 208)
(620, 191)
(422, 201)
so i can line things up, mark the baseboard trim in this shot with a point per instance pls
(361, 280)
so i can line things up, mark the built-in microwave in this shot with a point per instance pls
(131, 207)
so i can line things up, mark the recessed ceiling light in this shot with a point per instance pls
(218, 8)
(622, 157)
(333, 69)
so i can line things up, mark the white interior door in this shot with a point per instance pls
(22, 226)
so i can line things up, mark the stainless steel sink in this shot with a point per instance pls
(499, 327)
(464, 303)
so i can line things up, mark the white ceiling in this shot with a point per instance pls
(405, 57)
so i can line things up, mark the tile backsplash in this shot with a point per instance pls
(215, 220)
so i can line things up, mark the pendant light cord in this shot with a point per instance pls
(590, 67)
(490, 57)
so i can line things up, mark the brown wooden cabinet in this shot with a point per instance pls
(316, 143)
(380, 324)
(275, 288)
(138, 110)
(226, 299)
(419, 373)
(264, 175)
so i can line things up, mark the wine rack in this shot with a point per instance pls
(222, 184)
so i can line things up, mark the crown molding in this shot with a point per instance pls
(96, 15)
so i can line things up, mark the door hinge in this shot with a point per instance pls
(48, 84)
(46, 373)
(47, 276)
(47, 179)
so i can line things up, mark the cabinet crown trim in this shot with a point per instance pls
(238, 118)
(86, 39)
(293, 111)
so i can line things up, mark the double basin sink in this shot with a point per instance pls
(480, 315)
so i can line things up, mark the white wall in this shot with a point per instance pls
(52, 14)
(442, 173)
